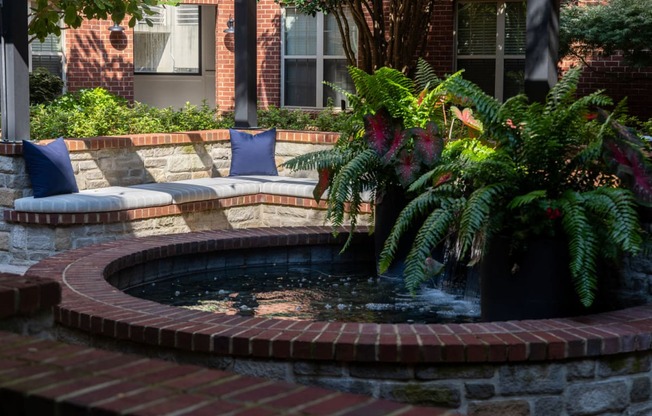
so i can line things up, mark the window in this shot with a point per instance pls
(48, 54)
(313, 53)
(171, 45)
(491, 45)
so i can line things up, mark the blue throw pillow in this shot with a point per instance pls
(253, 154)
(49, 168)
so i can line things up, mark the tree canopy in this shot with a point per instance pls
(46, 16)
(619, 25)
(392, 33)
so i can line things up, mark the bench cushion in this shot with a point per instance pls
(203, 189)
(112, 198)
(117, 198)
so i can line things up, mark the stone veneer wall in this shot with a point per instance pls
(589, 365)
(128, 160)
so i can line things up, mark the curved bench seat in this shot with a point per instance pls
(118, 198)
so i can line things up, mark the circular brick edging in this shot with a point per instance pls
(90, 304)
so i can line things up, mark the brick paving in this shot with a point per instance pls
(46, 377)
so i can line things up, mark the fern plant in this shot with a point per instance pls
(395, 138)
(536, 170)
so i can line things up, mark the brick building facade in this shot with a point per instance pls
(97, 57)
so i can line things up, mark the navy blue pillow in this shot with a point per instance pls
(253, 154)
(49, 168)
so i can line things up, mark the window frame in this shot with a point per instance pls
(173, 23)
(500, 56)
(319, 58)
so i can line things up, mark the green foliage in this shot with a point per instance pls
(96, 112)
(390, 33)
(537, 170)
(290, 119)
(390, 138)
(46, 15)
(623, 25)
(43, 86)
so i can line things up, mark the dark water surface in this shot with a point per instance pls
(319, 292)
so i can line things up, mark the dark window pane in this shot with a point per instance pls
(300, 76)
(300, 33)
(336, 72)
(476, 29)
(514, 78)
(515, 28)
(480, 71)
(50, 62)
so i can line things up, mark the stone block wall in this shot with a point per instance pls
(129, 160)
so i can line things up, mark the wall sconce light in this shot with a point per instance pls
(116, 28)
(230, 25)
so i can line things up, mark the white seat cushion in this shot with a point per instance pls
(116, 198)
(112, 198)
(203, 189)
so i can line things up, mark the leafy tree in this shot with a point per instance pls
(391, 33)
(46, 15)
(618, 25)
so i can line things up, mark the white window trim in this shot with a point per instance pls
(169, 20)
(60, 54)
(319, 62)
(500, 55)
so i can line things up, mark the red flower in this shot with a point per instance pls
(553, 214)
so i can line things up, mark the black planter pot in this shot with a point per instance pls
(535, 284)
(388, 209)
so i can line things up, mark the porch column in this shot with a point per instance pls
(542, 48)
(14, 69)
(246, 60)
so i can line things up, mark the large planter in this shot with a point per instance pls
(387, 209)
(533, 284)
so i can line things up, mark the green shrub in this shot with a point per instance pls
(96, 112)
(284, 118)
(44, 86)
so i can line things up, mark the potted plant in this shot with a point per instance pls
(538, 186)
(393, 140)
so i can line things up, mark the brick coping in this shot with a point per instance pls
(46, 377)
(157, 139)
(91, 305)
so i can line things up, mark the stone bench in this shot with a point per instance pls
(62, 222)
(152, 184)
(124, 199)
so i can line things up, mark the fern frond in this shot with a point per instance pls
(354, 178)
(617, 208)
(413, 211)
(526, 199)
(563, 90)
(321, 159)
(433, 231)
(477, 213)
(583, 246)
(425, 76)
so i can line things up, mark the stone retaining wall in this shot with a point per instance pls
(128, 160)
(588, 365)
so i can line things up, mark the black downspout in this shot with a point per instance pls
(245, 64)
(542, 48)
(14, 68)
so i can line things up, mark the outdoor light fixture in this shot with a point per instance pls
(229, 25)
(116, 28)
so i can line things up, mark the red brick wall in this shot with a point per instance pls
(269, 56)
(97, 57)
(618, 80)
(440, 51)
